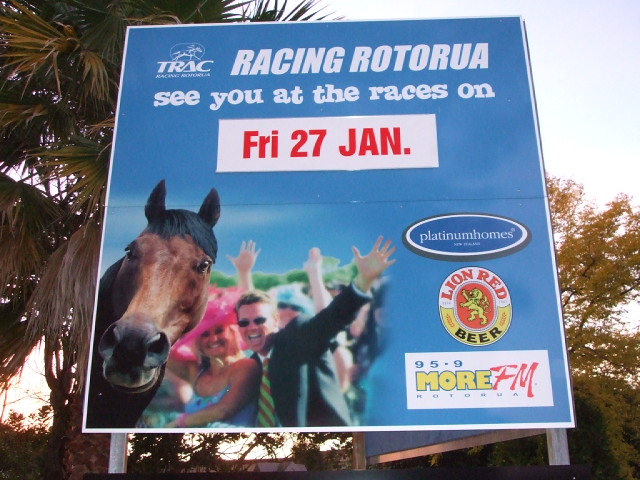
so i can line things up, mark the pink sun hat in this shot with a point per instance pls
(220, 311)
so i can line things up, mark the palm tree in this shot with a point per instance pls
(59, 67)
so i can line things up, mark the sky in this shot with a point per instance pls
(29, 392)
(585, 60)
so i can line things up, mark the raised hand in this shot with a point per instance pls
(244, 263)
(313, 267)
(314, 263)
(371, 266)
(247, 257)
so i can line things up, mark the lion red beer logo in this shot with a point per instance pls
(475, 306)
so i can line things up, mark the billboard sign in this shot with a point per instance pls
(319, 137)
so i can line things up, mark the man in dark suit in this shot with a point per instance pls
(303, 387)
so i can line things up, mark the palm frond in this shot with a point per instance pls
(162, 12)
(84, 163)
(30, 119)
(14, 114)
(106, 124)
(27, 216)
(34, 44)
(96, 76)
(61, 305)
(14, 350)
(273, 10)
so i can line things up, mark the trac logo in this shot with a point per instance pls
(475, 306)
(186, 61)
(187, 52)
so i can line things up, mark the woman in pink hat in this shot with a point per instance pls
(224, 381)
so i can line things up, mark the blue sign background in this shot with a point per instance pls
(489, 162)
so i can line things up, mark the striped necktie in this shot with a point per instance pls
(266, 408)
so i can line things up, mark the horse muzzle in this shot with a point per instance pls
(133, 355)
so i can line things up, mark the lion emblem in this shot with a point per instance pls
(477, 303)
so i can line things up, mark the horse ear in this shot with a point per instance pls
(210, 209)
(155, 205)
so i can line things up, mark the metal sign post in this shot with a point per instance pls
(558, 446)
(118, 453)
(359, 451)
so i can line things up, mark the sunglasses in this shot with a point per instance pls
(256, 321)
(290, 306)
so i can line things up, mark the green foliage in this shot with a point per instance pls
(222, 280)
(322, 451)
(599, 267)
(212, 452)
(598, 251)
(593, 441)
(157, 453)
(296, 276)
(265, 281)
(527, 451)
(218, 452)
(23, 442)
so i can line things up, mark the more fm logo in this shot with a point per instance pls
(478, 379)
(187, 59)
(512, 377)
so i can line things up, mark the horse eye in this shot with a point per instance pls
(204, 266)
(128, 251)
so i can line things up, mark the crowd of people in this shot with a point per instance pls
(295, 356)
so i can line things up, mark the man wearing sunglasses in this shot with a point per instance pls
(303, 398)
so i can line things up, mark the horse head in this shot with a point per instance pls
(159, 292)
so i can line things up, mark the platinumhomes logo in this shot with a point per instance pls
(466, 236)
(475, 306)
(187, 60)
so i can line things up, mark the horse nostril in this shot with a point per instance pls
(157, 347)
(108, 342)
(156, 344)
